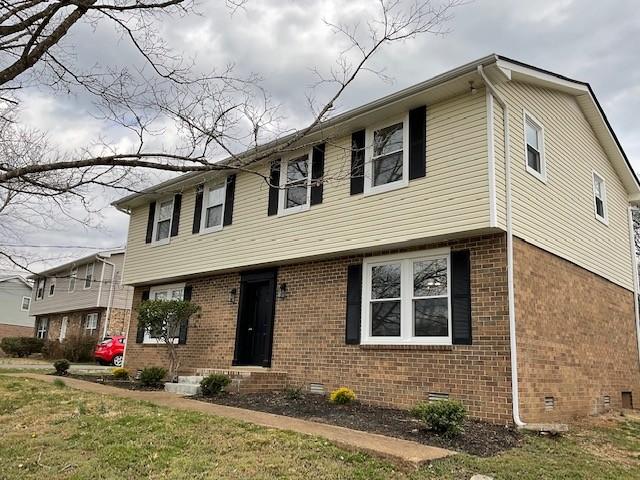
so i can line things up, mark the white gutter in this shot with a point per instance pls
(634, 269)
(110, 300)
(515, 401)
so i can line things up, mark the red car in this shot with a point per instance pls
(110, 351)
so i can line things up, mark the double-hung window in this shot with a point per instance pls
(88, 277)
(162, 225)
(52, 287)
(26, 303)
(406, 299)
(42, 327)
(387, 157)
(213, 208)
(534, 147)
(72, 279)
(295, 184)
(163, 292)
(600, 198)
(91, 323)
(40, 289)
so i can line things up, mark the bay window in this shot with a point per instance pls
(406, 299)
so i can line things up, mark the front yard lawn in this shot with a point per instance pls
(49, 431)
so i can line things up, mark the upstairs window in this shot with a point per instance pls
(26, 304)
(534, 140)
(295, 191)
(387, 159)
(40, 289)
(213, 211)
(406, 299)
(88, 278)
(72, 278)
(162, 226)
(600, 198)
(52, 287)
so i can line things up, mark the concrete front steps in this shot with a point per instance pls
(243, 380)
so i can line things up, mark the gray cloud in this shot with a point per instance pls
(583, 39)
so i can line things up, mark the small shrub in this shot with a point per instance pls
(342, 396)
(21, 346)
(59, 383)
(293, 393)
(120, 373)
(442, 416)
(152, 376)
(61, 366)
(214, 384)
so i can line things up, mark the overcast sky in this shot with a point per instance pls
(587, 40)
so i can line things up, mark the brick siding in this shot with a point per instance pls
(576, 337)
(309, 330)
(14, 331)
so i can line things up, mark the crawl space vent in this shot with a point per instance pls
(317, 388)
(435, 397)
(549, 403)
(607, 401)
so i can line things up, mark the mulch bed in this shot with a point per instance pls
(479, 438)
(112, 382)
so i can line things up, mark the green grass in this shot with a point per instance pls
(52, 432)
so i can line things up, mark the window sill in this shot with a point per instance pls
(602, 220)
(157, 243)
(293, 211)
(388, 187)
(206, 231)
(406, 347)
(542, 177)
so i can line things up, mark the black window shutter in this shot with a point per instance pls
(354, 304)
(230, 193)
(150, 220)
(317, 172)
(197, 211)
(357, 162)
(175, 218)
(274, 187)
(418, 142)
(140, 331)
(461, 297)
(184, 326)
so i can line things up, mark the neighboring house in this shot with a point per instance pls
(83, 297)
(15, 299)
(455, 261)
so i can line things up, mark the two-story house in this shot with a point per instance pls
(467, 237)
(83, 297)
(15, 300)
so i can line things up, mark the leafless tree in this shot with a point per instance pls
(215, 114)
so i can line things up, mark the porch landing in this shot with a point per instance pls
(243, 380)
(401, 452)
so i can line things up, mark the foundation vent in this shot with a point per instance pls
(317, 388)
(627, 400)
(435, 397)
(606, 400)
(549, 403)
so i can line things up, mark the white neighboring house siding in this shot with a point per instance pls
(452, 198)
(559, 215)
(11, 313)
(80, 298)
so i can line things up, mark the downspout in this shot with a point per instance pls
(634, 269)
(110, 300)
(515, 401)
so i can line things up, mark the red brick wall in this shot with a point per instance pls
(576, 337)
(309, 337)
(15, 331)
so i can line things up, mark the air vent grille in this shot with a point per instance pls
(317, 388)
(607, 401)
(549, 403)
(436, 397)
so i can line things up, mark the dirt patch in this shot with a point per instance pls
(108, 380)
(479, 438)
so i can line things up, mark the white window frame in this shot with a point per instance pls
(64, 325)
(28, 299)
(41, 331)
(282, 193)
(94, 317)
(52, 283)
(528, 118)
(203, 217)
(604, 219)
(86, 275)
(73, 278)
(40, 281)
(162, 241)
(148, 339)
(369, 188)
(406, 298)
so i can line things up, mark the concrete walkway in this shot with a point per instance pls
(402, 452)
(26, 364)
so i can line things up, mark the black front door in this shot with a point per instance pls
(255, 318)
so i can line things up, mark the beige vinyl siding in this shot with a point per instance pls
(64, 301)
(498, 130)
(453, 197)
(559, 215)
